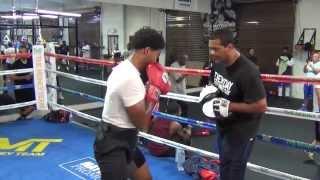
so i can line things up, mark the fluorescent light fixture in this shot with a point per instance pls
(24, 17)
(58, 13)
(12, 17)
(179, 18)
(30, 17)
(50, 16)
(253, 22)
(30, 14)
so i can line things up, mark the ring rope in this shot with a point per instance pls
(15, 55)
(79, 78)
(262, 137)
(17, 71)
(16, 87)
(192, 72)
(293, 113)
(187, 98)
(87, 96)
(18, 105)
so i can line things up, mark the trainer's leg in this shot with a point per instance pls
(234, 156)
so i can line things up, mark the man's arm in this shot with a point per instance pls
(255, 107)
(140, 116)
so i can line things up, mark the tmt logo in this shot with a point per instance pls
(29, 147)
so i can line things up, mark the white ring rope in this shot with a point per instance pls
(79, 78)
(253, 167)
(17, 71)
(293, 113)
(18, 105)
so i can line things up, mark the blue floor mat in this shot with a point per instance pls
(35, 149)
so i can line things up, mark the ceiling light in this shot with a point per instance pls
(12, 17)
(58, 13)
(49, 16)
(253, 22)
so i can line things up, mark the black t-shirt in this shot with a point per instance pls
(18, 64)
(289, 68)
(239, 82)
(64, 49)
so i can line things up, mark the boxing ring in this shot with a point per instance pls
(37, 149)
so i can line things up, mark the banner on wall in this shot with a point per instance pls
(183, 4)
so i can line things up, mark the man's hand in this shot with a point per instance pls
(221, 106)
(207, 95)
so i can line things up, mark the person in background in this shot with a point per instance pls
(252, 56)
(315, 68)
(204, 79)
(64, 49)
(25, 43)
(117, 56)
(308, 88)
(178, 80)
(166, 129)
(9, 62)
(86, 52)
(23, 95)
(284, 64)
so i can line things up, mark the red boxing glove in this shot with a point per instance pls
(158, 77)
(153, 94)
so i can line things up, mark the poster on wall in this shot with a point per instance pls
(222, 16)
(183, 4)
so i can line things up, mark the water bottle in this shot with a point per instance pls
(180, 158)
(71, 117)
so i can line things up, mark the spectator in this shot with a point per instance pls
(252, 56)
(308, 88)
(23, 95)
(64, 49)
(315, 67)
(178, 80)
(25, 43)
(9, 62)
(204, 79)
(86, 52)
(284, 64)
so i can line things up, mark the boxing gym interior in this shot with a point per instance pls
(58, 57)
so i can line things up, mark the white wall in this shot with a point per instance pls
(307, 16)
(137, 17)
(112, 22)
(126, 20)
(197, 5)
(6, 5)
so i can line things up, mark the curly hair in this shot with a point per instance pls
(147, 37)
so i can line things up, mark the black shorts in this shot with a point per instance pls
(138, 158)
(116, 152)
